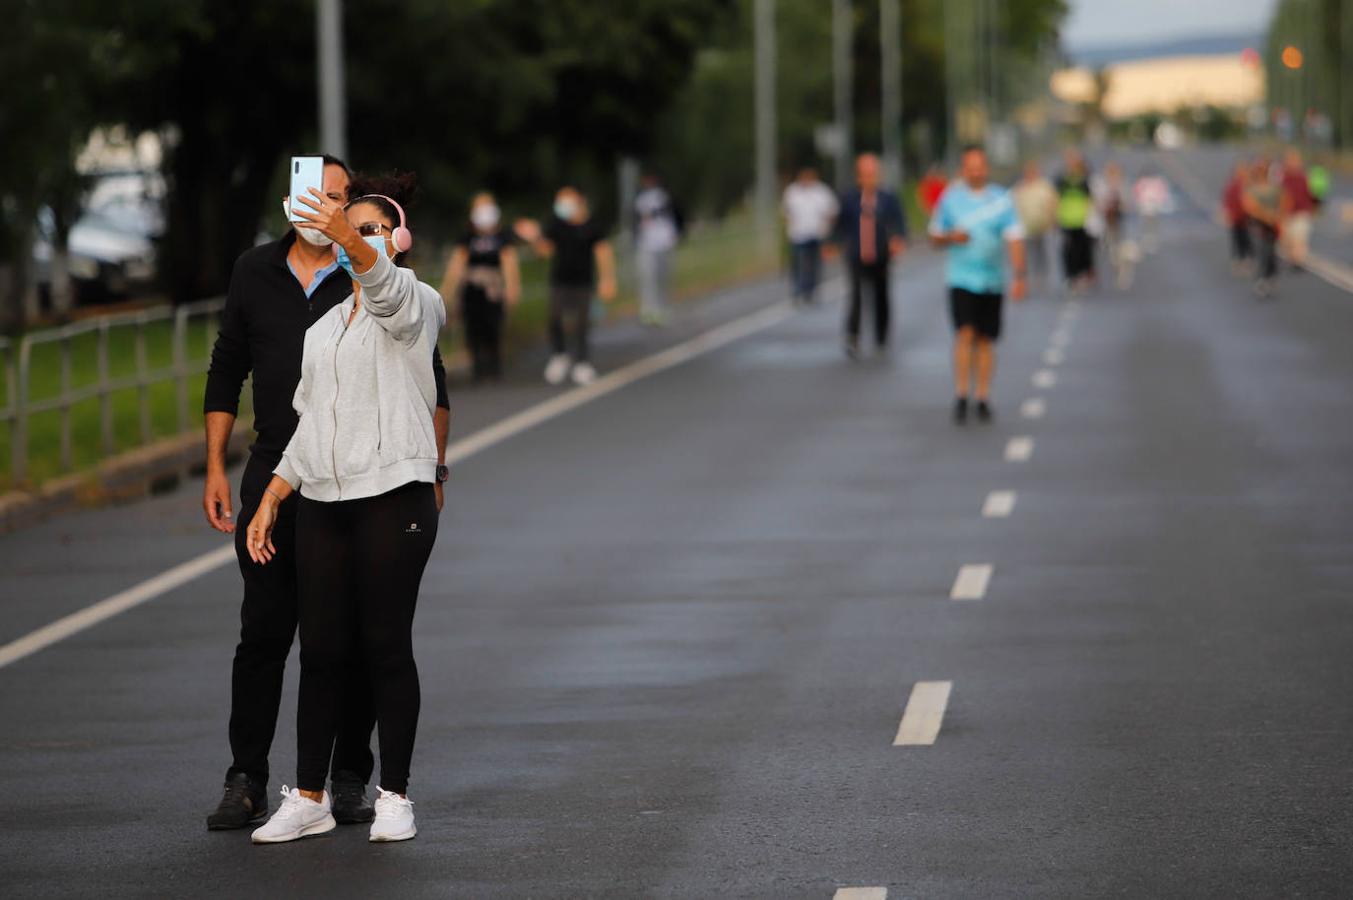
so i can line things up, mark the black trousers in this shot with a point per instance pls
(570, 302)
(267, 627)
(1266, 254)
(1078, 253)
(1242, 247)
(876, 274)
(483, 321)
(360, 563)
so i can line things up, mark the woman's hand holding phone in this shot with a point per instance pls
(328, 217)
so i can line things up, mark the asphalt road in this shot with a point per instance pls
(667, 639)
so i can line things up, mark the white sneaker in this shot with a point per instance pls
(297, 817)
(583, 373)
(557, 370)
(394, 817)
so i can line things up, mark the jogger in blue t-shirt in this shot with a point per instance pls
(977, 223)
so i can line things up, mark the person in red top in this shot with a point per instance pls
(930, 188)
(1298, 207)
(1233, 210)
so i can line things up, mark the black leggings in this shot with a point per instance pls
(359, 564)
(1078, 253)
(483, 319)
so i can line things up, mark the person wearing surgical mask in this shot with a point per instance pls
(277, 291)
(582, 263)
(482, 282)
(365, 463)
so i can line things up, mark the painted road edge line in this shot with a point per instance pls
(861, 893)
(1332, 272)
(1019, 449)
(118, 603)
(998, 505)
(513, 425)
(1044, 379)
(1033, 408)
(971, 581)
(924, 714)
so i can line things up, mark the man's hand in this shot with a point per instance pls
(896, 247)
(606, 288)
(528, 230)
(957, 236)
(830, 252)
(441, 495)
(216, 502)
(1019, 288)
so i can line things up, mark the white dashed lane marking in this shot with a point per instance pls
(1033, 408)
(1019, 449)
(972, 581)
(999, 505)
(861, 893)
(1044, 379)
(1053, 356)
(924, 714)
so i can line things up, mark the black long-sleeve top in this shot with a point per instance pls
(263, 332)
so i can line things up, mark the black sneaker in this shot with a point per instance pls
(348, 794)
(983, 411)
(961, 410)
(244, 803)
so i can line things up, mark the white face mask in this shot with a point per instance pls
(484, 216)
(305, 231)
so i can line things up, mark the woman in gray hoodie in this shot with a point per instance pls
(364, 459)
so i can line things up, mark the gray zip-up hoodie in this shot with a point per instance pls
(366, 395)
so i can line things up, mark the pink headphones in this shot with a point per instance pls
(402, 236)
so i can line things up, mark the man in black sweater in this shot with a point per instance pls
(277, 291)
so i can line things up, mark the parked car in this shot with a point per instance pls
(111, 248)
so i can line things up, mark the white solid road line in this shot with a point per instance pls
(999, 505)
(1033, 408)
(118, 603)
(924, 714)
(1019, 449)
(972, 581)
(861, 893)
(1053, 356)
(1335, 273)
(626, 375)
(1044, 379)
(466, 447)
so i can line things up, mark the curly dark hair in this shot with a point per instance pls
(402, 187)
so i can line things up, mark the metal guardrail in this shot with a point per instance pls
(17, 365)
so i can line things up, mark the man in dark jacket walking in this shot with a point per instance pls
(872, 231)
(277, 291)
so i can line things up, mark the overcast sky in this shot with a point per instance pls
(1096, 22)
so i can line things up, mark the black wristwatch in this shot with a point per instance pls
(443, 473)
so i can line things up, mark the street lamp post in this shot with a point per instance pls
(890, 51)
(764, 43)
(842, 36)
(332, 115)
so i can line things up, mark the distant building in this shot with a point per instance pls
(1163, 86)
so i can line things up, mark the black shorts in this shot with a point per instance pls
(980, 312)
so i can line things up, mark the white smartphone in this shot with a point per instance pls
(306, 172)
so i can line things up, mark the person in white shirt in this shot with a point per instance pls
(809, 208)
(657, 228)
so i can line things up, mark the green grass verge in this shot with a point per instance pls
(714, 256)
